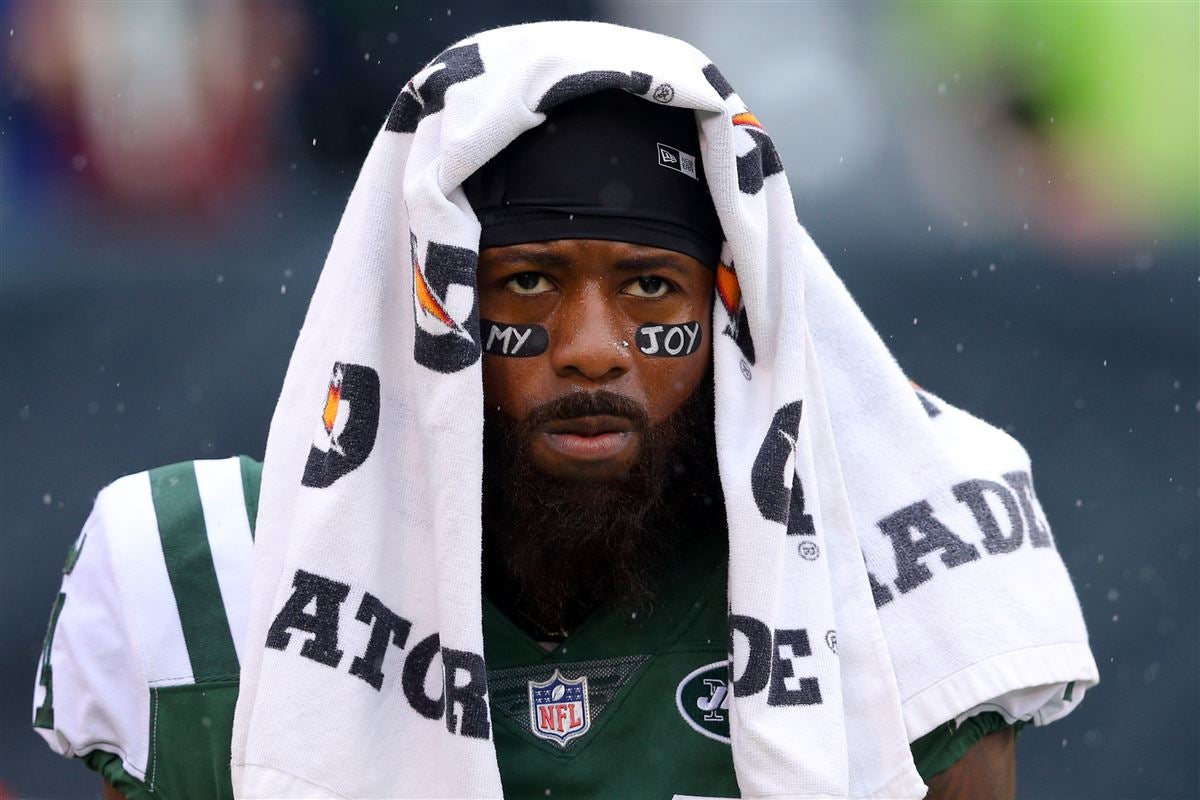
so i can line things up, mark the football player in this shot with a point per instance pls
(604, 533)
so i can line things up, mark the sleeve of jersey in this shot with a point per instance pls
(976, 604)
(943, 746)
(91, 698)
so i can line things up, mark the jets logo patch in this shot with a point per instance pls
(702, 698)
(349, 420)
(558, 709)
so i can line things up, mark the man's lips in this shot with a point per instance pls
(588, 438)
(588, 426)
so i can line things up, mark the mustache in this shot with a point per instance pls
(600, 403)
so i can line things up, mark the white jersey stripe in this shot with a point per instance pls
(142, 574)
(221, 495)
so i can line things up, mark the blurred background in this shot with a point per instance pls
(1009, 189)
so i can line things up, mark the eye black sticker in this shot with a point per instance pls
(517, 341)
(670, 340)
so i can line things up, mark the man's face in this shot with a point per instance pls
(593, 298)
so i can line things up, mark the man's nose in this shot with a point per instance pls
(588, 340)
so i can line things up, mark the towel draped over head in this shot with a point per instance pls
(890, 568)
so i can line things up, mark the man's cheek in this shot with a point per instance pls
(670, 340)
(513, 340)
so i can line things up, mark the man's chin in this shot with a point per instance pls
(570, 457)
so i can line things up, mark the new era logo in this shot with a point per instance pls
(676, 159)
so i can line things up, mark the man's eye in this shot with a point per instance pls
(529, 283)
(648, 286)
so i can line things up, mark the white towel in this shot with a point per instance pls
(890, 568)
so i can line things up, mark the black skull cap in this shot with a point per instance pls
(609, 165)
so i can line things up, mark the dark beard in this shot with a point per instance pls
(555, 549)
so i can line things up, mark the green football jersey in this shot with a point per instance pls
(138, 674)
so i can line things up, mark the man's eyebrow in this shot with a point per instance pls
(537, 258)
(644, 263)
(545, 259)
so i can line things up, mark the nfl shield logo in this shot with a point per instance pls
(558, 709)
